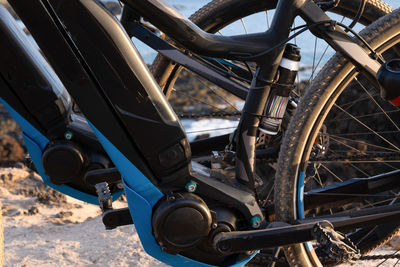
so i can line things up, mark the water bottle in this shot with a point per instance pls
(280, 90)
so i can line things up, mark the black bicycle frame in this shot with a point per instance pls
(193, 38)
(105, 75)
(247, 46)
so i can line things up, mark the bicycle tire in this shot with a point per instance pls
(316, 109)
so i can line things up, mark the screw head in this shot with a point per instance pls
(120, 186)
(251, 252)
(191, 187)
(255, 222)
(68, 135)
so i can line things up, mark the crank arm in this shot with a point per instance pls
(241, 241)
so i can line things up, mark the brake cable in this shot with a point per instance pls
(360, 12)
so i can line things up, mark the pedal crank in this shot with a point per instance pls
(335, 244)
(112, 218)
(104, 196)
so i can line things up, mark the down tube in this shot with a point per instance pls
(35, 98)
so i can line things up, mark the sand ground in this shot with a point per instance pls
(45, 228)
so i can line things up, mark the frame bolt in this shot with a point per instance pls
(191, 187)
(251, 252)
(68, 135)
(120, 186)
(255, 222)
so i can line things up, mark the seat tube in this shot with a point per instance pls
(259, 91)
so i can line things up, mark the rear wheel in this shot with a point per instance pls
(342, 129)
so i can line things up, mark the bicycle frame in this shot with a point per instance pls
(100, 68)
(191, 37)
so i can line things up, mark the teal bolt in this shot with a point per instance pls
(255, 222)
(191, 187)
(68, 135)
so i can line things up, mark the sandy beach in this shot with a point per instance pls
(45, 228)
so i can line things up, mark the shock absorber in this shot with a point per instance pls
(280, 90)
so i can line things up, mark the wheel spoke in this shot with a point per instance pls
(366, 133)
(377, 104)
(197, 100)
(319, 61)
(315, 66)
(331, 172)
(244, 26)
(361, 98)
(313, 61)
(294, 32)
(215, 92)
(353, 148)
(360, 142)
(367, 127)
(358, 169)
(363, 116)
(266, 14)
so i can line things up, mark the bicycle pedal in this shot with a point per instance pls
(114, 218)
(335, 245)
(104, 196)
(110, 176)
